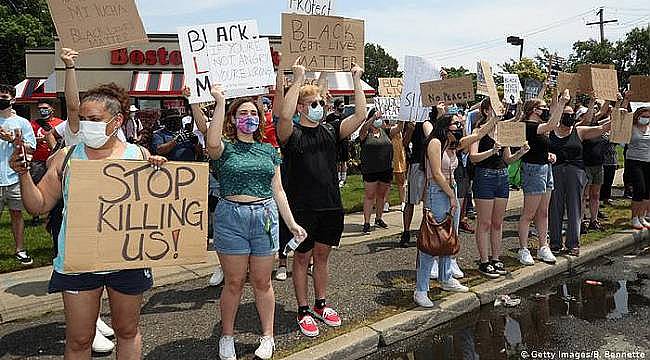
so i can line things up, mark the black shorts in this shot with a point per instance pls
(343, 153)
(461, 175)
(639, 175)
(285, 237)
(385, 176)
(324, 227)
(129, 282)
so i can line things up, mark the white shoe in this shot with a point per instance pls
(402, 207)
(644, 222)
(227, 348)
(101, 344)
(103, 328)
(434, 269)
(544, 253)
(281, 273)
(422, 299)
(456, 272)
(636, 224)
(525, 258)
(217, 277)
(386, 207)
(453, 285)
(266, 348)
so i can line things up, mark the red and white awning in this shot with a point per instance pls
(156, 83)
(36, 89)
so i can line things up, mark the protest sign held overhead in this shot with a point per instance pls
(451, 91)
(481, 85)
(491, 88)
(416, 71)
(388, 106)
(532, 88)
(622, 123)
(390, 87)
(137, 218)
(322, 42)
(512, 88)
(601, 79)
(311, 7)
(511, 133)
(568, 81)
(640, 87)
(95, 24)
(231, 53)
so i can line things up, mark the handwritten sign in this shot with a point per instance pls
(323, 42)
(604, 82)
(137, 218)
(390, 87)
(94, 24)
(492, 88)
(512, 88)
(622, 122)
(640, 87)
(570, 81)
(201, 45)
(511, 133)
(388, 106)
(416, 71)
(451, 91)
(481, 84)
(312, 7)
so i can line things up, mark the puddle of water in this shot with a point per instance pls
(497, 333)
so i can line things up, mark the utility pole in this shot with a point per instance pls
(602, 24)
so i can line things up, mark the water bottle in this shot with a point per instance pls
(291, 246)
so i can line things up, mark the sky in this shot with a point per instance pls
(449, 33)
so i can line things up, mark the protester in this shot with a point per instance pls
(12, 125)
(463, 176)
(376, 166)
(440, 163)
(637, 162)
(343, 154)
(414, 144)
(175, 142)
(133, 126)
(537, 175)
(310, 150)
(491, 191)
(399, 167)
(246, 219)
(95, 120)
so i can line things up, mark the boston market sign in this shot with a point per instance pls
(161, 56)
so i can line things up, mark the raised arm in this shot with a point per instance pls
(200, 119)
(556, 114)
(592, 132)
(284, 128)
(468, 140)
(323, 85)
(589, 115)
(396, 129)
(215, 131)
(352, 122)
(363, 132)
(72, 102)
(278, 99)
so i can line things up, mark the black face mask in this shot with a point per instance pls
(568, 120)
(458, 134)
(546, 115)
(5, 104)
(173, 125)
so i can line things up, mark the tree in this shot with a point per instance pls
(25, 24)
(526, 68)
(379, 64)
(593, 52)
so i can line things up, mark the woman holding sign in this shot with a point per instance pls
(246, 219)
(95, 120)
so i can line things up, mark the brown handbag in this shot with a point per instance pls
(438, 239)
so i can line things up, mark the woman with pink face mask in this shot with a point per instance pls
(246, 218)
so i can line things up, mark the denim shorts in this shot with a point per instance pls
(129, 282)
(246, 229)
(536, 179)
(490, 183)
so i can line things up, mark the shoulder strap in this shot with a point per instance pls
(68, 155)
(142, 152)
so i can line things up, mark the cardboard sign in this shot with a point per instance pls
(511, 133)
(312, 7)
(323, 42)
(640, 87)
(416, 71)
(622, 122)
(451, 91)
(512, 88)
(94, 24)
(138, 217)
(600, 79)
(201, 45)
(390, 87)
(481, 85)
(570, 81)
(389, 107)
(492, 88)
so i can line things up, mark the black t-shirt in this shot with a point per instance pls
(594, 150)
(311, 180)
(493, 162)
(539, 145)
(376, 153)
(568, 149)
(333, 117)
(415, 153)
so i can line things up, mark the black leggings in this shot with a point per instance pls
(608, 179)
(639, 172)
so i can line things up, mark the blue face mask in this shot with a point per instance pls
(296, 119)
(378, 123)
(315, 114)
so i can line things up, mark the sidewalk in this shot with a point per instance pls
(23, 294)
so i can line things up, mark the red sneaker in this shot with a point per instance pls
(328, 316)
(308, 326)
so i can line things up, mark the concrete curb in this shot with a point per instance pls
(370, 338)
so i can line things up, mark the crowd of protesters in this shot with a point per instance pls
(278, 166)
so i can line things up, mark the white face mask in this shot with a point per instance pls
(93, 133)
(644, 120)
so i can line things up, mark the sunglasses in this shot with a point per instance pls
(316, 103)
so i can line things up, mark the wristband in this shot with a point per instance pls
(69, 67)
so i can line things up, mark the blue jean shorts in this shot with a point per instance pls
(246, 229)
(490, 183)
(536, 179)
